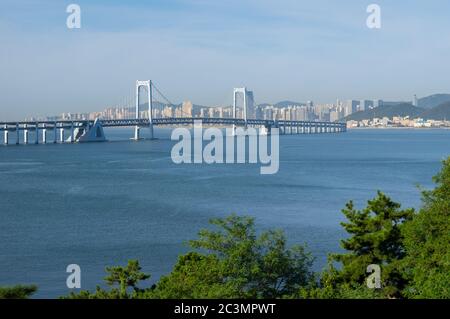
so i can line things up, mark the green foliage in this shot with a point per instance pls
(125, 277)
(194, 276)
(17, 292)
(342, 291)
(427, 241)
(121, 280)
(236, 263)
(375, 238)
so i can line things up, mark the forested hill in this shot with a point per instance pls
(404, 109)
(440, 112)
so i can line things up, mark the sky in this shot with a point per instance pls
(198, 50)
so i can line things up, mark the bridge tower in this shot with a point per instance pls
(148, 85)
(248, 95)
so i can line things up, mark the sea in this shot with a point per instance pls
(101, 204)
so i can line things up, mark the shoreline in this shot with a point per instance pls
(398, 128)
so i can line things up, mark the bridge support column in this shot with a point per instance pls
(17, 134)
(25, 134)
(36, 136)
(55, 133)
(150, 109)
(61, 135)
(151, 131)
(137, 130)
(44, 135)
(71, 139)
(6, 137)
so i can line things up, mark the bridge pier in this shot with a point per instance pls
(36, 137)
(25, 134)
(44, 135)
(150, 127)
(17, 134)
(71, 139)
(55, 133)
(136, 133)
(61, 135)
(6, 137)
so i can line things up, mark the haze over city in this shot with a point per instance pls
(199, 50)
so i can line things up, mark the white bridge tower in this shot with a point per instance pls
(148, 85)
(248, 101)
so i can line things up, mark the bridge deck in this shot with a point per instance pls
(28, 125)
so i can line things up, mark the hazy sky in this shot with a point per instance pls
(200, 49)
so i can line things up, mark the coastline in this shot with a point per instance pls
(397, 128)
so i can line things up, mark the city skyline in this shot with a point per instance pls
(283, 110)
(198, 50)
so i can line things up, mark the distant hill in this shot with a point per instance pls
(440, 112)
(404, 109)
(388, 103)
(433, 100)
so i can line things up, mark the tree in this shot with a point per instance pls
(427, 242)
(194, 276)
(17, 292)
(234, 262)
(121, 280)
(375, 238)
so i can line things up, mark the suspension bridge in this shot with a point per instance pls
(43, 132)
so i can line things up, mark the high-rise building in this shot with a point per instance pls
(350, 107)
(415, 100)
(186, 109)
(365, 105)
(251, 112)
(377, 103)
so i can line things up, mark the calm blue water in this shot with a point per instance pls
(102, 204)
